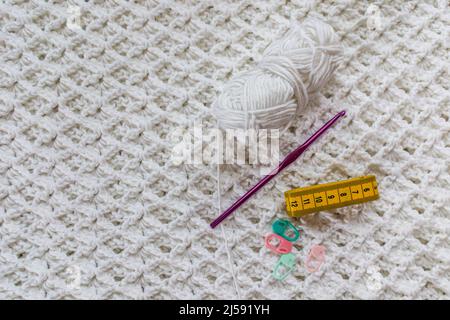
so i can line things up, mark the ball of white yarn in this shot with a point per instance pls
(292, 68)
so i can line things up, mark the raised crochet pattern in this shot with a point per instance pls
(91, 93)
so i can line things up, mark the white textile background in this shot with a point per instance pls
(92, 207)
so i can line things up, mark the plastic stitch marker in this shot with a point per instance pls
(302, 201)
(315, 259)
(284, 266)
(281, 227)
(291, 157)
(283, 246)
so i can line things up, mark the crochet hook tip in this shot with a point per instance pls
(342, 113)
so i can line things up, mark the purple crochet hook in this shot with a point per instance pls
(291, 157)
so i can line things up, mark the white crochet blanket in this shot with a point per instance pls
(91, 206)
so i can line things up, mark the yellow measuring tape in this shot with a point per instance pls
(302, 201)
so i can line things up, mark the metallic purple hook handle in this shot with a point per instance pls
(291, 157)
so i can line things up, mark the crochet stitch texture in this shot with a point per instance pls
(91, 93)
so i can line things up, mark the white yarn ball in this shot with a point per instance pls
(292, 68)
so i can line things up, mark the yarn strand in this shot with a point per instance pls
(227, 248)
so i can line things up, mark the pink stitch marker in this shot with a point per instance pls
(291, 157)
(282, 247)
(316, 258)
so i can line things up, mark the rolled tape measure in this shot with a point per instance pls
(302, 201)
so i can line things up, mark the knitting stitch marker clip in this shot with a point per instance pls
(315, 258)
(282, 227)
(284, 266)
(282, 246)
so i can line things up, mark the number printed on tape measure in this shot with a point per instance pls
(344, 194)
(320, 199)
(308, 201)
(332, 195)
(296, 203)
(367, 189)
(356, 192)
(375, 187)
